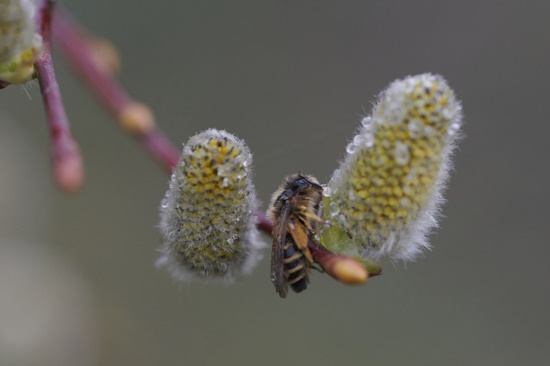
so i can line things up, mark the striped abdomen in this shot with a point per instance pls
(296, 267)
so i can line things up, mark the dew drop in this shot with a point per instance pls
(447, 113)
(164, 203)
(369, 140)
(405, 202)
(342, 218)
(336, 175)
(395, 110)
(366, 122)
(453, 128)
(327, 191)
(334, 209)
(402, 154)
(415, 128)
(351, 148)
(230, 241)
(273, 276)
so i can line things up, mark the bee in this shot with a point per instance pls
(293, 208)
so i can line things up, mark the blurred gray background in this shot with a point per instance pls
(77, 282)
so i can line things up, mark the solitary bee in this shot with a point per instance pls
(293, 208)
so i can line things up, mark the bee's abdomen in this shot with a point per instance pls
(296, 267)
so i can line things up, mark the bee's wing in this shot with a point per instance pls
(299, 229)
(277, 253)
(300, 235)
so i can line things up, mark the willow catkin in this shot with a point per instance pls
(207, 217)
(387, 192)
(20, 43)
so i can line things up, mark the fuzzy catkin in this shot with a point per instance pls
(20, 44)
(387, 192)
(207, 217)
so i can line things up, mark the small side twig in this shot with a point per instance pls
(65, 153)
(344, 269)
(131, 115)
(263, 222)
(137, 118)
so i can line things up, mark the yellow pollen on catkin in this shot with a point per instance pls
(207, 217)
(387, 190)
(20, 45)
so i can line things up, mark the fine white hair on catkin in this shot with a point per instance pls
(387, 193)
(208, 224)
(20, 42)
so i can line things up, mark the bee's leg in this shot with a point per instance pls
(317, 268)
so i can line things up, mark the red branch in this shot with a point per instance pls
(136, 118)
(67, 161)
(342, 268)
(131, 115)
(263, 222)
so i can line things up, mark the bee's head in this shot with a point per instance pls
(297, 182)
(286, 195)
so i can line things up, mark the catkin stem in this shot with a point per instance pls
(67, 160)
(134, 117)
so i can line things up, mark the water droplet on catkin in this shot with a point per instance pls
(207, 218)
(402, 153)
